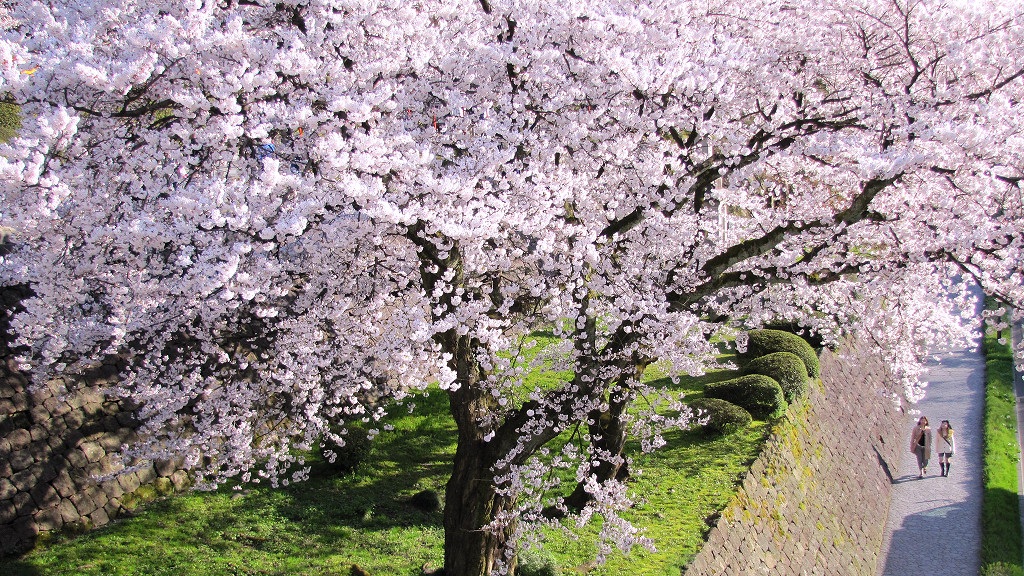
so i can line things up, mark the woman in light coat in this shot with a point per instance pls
(921, 445)
(944, 446)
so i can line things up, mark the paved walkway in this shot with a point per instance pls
(934, 526)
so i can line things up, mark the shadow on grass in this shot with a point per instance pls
(1002, 535)
(17, 567)
(319, 526)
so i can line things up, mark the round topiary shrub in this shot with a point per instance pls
(761, 342)
(785, 368)
(759, 394)
(722, 416)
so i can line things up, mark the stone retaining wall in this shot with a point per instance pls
(816, 500)
(53, 444)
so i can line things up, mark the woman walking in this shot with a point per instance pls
(945, 446)
(921, 444)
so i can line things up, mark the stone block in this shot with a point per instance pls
(74, 419)
(76, 458)
(23, 504)
(112, 489)
(7, 512)
(45, 496)
(73, 437)
(7, 490)
(63, 484)
(19, 439)
(103, 467)
(39, 432)
(20, 460)
(74, 401)
(51, 404)
(164, 468)
(39, 414)
(129, 482)
(110, 442)
(21, 402)
(48, 472)
(6, 406)
(180, 480)
(93, 451)
(26, 479)
(48, 519)
(110, 424)
(99, 517)
(68, 512)
(112, 507)
(40, 451)
(56, 441)
(83, 503)
(147, 474)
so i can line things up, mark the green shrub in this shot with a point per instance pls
(356, 449)
(10, 121)
(760, 395)
(761, 342)
(815, 340)
(723, 416)
(785, 368)
(426, 500)
(1002, 569)
(533, 562)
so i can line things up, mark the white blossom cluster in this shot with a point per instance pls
(286, 214)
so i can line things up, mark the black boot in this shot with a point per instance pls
(942, 468)
(946, 473)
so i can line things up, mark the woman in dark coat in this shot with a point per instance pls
(921, 445)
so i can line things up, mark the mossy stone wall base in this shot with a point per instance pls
(816, 500)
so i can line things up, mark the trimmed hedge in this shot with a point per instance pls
(760, 395)
(723, 416)
(762, 342)
(785, 368)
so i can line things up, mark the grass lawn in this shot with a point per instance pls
(324, 525)
(1000, 515)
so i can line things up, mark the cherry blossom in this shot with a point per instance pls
(286, 215)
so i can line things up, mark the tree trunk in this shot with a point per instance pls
(470, 504)
(608, 442)
(608, 436)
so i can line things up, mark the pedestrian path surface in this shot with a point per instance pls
(934, 525)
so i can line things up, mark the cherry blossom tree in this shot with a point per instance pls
(286, 215)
